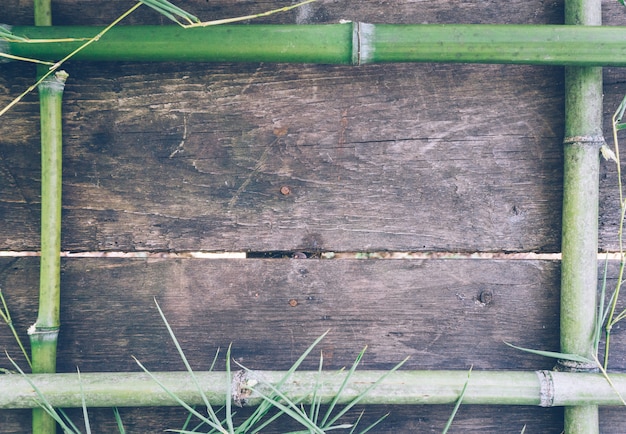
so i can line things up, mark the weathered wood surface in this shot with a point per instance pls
(272, 309)
(418, 419)
(398, 157)
(384, 157)
(374, 11)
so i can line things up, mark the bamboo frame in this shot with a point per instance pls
(581, 48)
(134, 389)
(347, 43)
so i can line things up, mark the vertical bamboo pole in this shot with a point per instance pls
(43, 334)
(583, 138)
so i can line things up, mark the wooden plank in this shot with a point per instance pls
(398, 157)
(400, 11)
(19, 170)
(405, 419)
(270, 310)
(193, 157)
(444, 314)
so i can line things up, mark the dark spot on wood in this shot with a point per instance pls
(486, 296)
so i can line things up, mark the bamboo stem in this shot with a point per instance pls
(583, 139)
(133, 389)
(43, 334)
(43, 12)
(347, 43)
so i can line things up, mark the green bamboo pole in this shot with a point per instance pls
(43, 334)
(134, 389)
(583, 139)
(348, 43)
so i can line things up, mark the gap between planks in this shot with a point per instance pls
(302, 255)
(612, 256)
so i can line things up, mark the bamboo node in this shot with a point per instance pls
(241, 388)
(362, 37)
(563, 365)
(546, 381)
(586, 141)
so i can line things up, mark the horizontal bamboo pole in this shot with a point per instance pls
(345, 43)
(544, 388)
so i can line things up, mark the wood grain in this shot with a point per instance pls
(270, 310)
(443, 314)
(384, 157)
(402, 419)
(393, 157)
(374, 11)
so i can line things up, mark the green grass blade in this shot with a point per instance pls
(74, 428)
(210, 410)
(457, 404)
(118, 421)
(217, 353)
(229, 393)
(7, 35)
(5, 314)
(170, 11)
(356, 423)
(602, 312)
(43, 402)
(316, 403)
(291, 409)
(553, 354)
(372, 426)
(333, 403)
(356, 400)
(619, 114)
(181, 402)
(84, 405)
(266, 405)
